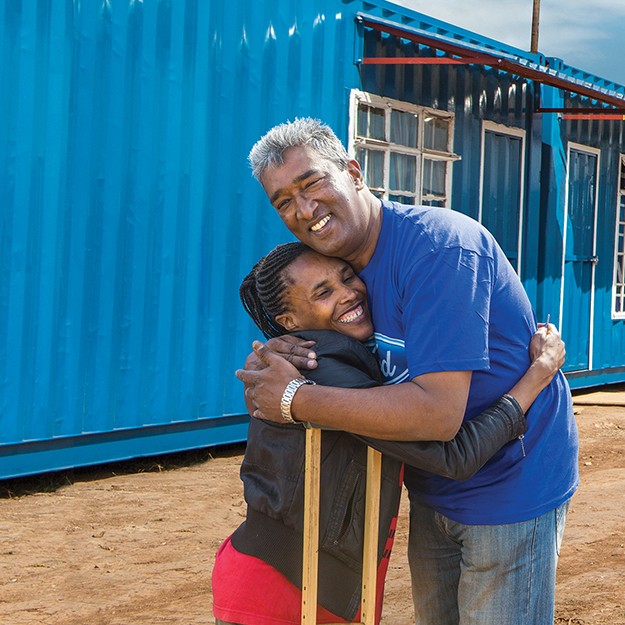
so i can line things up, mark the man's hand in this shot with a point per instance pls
(297, 351)
(265, 384)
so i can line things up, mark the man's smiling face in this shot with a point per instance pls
(320, 203)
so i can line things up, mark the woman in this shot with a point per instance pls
(257, 573)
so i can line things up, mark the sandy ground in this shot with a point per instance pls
(133, 543)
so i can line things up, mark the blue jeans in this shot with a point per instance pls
(483, 574)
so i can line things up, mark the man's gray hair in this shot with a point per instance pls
(269, 150)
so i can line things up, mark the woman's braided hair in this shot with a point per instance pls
(263, 289)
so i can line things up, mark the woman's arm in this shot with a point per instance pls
(483, 436)
(547, 352)
(477, 441)
(479, 438)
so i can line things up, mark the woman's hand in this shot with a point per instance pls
(547, 350)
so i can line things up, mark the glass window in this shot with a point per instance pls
(404, 128)
(403, 149)
(372, 164)
(434, 177)
(436, 133)
(371, 122)
(403, 174)
(402, 199)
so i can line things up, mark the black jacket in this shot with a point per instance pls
(273, 475)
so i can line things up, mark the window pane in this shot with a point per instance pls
(404, 128)
(372, 164)
(370, 122)
(434, 177)
(402, 199)
(403, 172)
(436, 133)
(438, 203)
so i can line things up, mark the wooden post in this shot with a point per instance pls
(370, 547)
(535, 26)
(310, 570)
(310, 565)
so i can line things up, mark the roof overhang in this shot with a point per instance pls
(458, 52)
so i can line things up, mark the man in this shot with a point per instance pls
(452, 324)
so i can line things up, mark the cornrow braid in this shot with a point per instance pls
(262, 290)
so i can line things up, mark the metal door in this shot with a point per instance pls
(502, 188)
(579, 257)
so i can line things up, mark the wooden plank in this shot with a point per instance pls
(370, 547)
(310, 570)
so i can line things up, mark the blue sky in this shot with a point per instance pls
(587, 34)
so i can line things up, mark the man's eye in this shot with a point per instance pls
(313, 182)
(283, 204)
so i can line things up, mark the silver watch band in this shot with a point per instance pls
(287, 398)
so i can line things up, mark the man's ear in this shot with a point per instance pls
(353, 168)
(286, 320)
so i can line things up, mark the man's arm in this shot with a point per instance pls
(430, 407)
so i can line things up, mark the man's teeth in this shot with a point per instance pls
(351, 316)
(320, 224)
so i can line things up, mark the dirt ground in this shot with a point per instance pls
(133, 543)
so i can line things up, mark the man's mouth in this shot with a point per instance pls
(352, 315)
(320, 224)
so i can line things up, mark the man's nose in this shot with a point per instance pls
(306, 207)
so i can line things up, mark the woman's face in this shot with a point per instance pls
(325, 294)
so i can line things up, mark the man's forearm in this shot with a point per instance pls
(405, 411)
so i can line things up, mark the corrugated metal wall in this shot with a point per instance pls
(608, 348)
(128, 215)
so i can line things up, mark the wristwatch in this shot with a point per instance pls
(287, 398)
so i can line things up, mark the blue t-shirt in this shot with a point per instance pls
(444, 298)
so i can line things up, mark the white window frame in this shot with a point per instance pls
(388, 148)
(619, 227)
(488, 126)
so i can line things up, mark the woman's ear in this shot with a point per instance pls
(287, 320)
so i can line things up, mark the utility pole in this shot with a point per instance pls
(535, 25)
